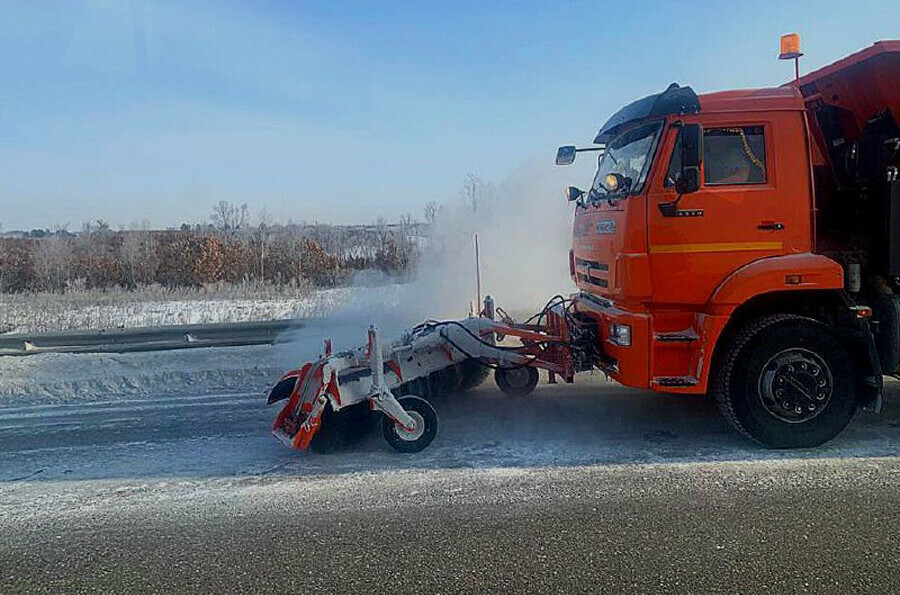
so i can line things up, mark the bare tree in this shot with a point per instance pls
(139, 257)
(264, 233)
(431, 211)
(381, 232)
(229, 217)
(472, 191)
(52, 259)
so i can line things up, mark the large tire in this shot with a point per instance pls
(786, 381)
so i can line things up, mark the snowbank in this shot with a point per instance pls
(342, 314)
(57, 312)
(65, 378)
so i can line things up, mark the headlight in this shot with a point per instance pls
(611, 181)
(620, 334)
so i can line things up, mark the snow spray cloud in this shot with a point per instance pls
(524, 230)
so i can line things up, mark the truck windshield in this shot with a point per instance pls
(628, 154)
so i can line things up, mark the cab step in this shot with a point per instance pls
(676, 381)
(687, 336)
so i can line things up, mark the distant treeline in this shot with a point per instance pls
(98, 257)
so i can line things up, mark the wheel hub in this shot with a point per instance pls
(517, 377)
(796, 385)
(416, 432)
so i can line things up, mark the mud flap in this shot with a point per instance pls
(862, 344)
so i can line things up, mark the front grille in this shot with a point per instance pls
(593, 280)
(592, 265)
(586, 267)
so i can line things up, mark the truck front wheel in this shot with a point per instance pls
(786, 381)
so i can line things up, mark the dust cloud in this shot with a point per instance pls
(524, 230)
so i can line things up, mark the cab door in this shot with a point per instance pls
(738, 215)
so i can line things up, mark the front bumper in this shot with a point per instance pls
(628, 365)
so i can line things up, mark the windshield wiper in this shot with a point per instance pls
(594, 196)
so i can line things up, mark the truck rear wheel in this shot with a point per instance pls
(786, 381)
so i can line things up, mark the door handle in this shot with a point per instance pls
(770, 226)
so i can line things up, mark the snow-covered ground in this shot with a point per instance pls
(65, 378)
(342, 314)
(32, 313)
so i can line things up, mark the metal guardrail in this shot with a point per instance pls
(155, 338)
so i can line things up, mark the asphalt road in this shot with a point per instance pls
(579, 488)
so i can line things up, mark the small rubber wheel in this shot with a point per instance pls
(516, 382)
(786, 381)
(426, 426)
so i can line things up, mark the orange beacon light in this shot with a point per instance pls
(790, 46)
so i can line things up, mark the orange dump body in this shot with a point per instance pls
(676, 280)
(859, 85)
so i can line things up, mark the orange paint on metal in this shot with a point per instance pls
(395, 368)
(715, 247)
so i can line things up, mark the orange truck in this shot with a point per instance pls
(746, 244)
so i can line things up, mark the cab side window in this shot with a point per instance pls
(734, 156)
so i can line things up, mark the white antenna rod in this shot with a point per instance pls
(477, 273)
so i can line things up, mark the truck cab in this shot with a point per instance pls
(705, 261)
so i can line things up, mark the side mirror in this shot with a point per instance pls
(573, 193)
(565, 155)
(691, 158)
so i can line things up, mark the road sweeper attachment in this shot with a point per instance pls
(334, 398)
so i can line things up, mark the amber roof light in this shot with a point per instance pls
(790, 46)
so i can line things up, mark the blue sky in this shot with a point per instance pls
(346, 111)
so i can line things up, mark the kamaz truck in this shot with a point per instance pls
(746, 244)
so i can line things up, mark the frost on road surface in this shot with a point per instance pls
(603, 485)
(227, 435)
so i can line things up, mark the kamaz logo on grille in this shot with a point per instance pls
(606, 226)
